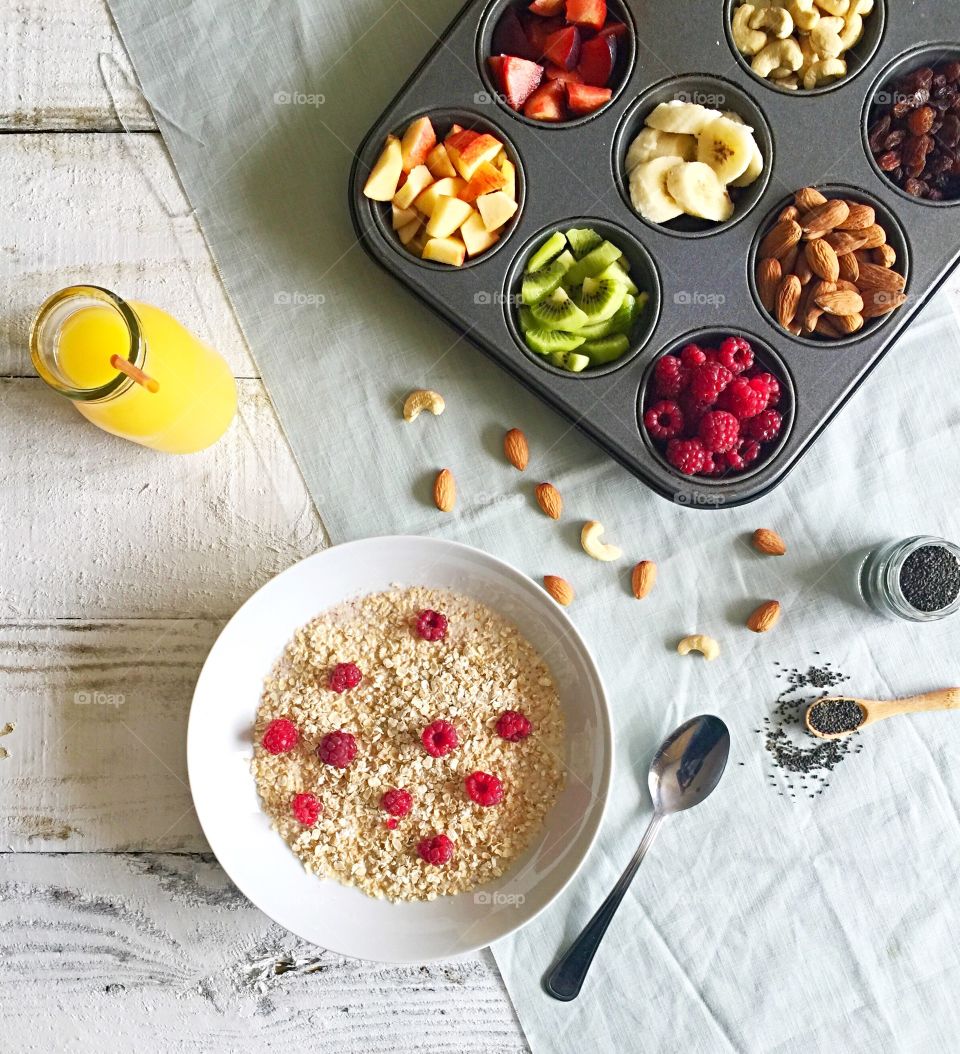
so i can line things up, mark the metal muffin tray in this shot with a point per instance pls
(700, 279)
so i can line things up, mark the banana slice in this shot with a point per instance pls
(651, 143)
(697, 190)
(648, 189)
(686, 118)
(727, 147)
(753, 170)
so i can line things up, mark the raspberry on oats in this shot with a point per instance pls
(337, 749)
(306, 808)
(484, 789)
(439, 738)
(431, 625)
(397, 801)
(436, 850)
(391, 824)
(513, 726)
(280, 736)
(344, 676)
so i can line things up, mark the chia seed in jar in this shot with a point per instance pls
(917, 579)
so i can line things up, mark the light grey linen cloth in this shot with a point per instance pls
(758, 922)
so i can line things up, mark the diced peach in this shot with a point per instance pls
(418, 179)
(469, 158)
(510, 178)
(438, 161)
(459, 138)
(443, 188)
(476, 237)
(418, 140)
(485, 180)
(496, 209)
(407, 233)
(447, 216)
(401, 217)
(385, 175)
(450, 251)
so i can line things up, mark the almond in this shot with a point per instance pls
(643, 578)
(788, 263)
(765, 617)
(847, 324)
(788, 299)
(840, 302)
(516, 449)
(873, 237)
(808, 199)
(548, 498)
(780, 240)
(768, 542)
(768, 281)
(826, 328)
(822, 260)
(791, 212)
(844, 242)
(859, 218)
(445, 490)
(873, 276)
(880, 303)
(559, 588)
(849, 267)
(822, 219)
(802, 269)
(885, 255)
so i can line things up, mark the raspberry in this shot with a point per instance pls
(306, 809)
(714, 465)
(744, 398)
(439, 738)
(745, 452)
(687, 455)
(397, 801)
(693, 411)
(280, 736)
(708, 381)
(736, 354)
(765, 426)
(484, 788)
(669, 377)
(337, 749)
(435, 850)
(513, 726)
(719, 431)
(772, 386)
(712, 354)
(345, 675)
(664, 420)
(431, 625)
(692, 356)
(390, 824)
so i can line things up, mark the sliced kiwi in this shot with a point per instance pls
(582, 240)
(606, 349)
(553, 246)
(600, 298)
(570, 360)
(526, 321)
(621, 322)
(617, 272)
(551, 341)
(592, 264)
(558, 311)
(542, 282)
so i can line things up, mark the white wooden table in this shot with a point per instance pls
(117, 569)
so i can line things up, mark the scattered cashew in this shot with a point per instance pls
(834, 7)
(825, 37)
(823, 71)
(707, 646)
(420, 400)
(774, 20)
(592, 546)
(785, 53)
(805, 14)
(748, 41)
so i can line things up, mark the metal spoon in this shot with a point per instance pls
(684, 771)
(872, 710)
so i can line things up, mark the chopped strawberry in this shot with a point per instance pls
(518, 78)
(589, 13)
(547, 103)
(584, 98)
(510, 38)
(555, 73)
(563, 47)
(547, 8)
(614, 29)
(597, 57)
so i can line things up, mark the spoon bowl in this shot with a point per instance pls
(835, 716)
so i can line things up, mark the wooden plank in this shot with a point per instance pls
(103, 528)
(67, 69)
(160, 952)
(109, 210)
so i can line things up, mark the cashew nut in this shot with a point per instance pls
(774, 20)
(835, 7)
(805, 14)
(592, 546)
(862, 7)
(707, 646)
(420, 400)
(852, 30)
(792, 82)
(747, 40)
(779, 53)
(823, 71)
(825, 37)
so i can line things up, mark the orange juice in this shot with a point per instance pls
(163, 388)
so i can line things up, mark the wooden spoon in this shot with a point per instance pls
(874, 710)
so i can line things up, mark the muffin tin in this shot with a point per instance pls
(701, 279)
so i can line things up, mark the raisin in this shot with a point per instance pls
(919, 78)
(889, 161)
(949, 134)
(878, 133)
(951, 70)
(916, 188)
(894, 139)
(921, 121)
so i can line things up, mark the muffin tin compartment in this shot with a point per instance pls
(705, 279)
(715, 94)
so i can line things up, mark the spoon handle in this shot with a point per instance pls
(566, 978)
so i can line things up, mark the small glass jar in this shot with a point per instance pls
(880, 585)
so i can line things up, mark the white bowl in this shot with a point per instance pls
(260, 863)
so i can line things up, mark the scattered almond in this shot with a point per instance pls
(445, 491)
(516, 449)
(768, 542)
(559, 588)
(549, 500)
(765, 617)
(643, 578)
